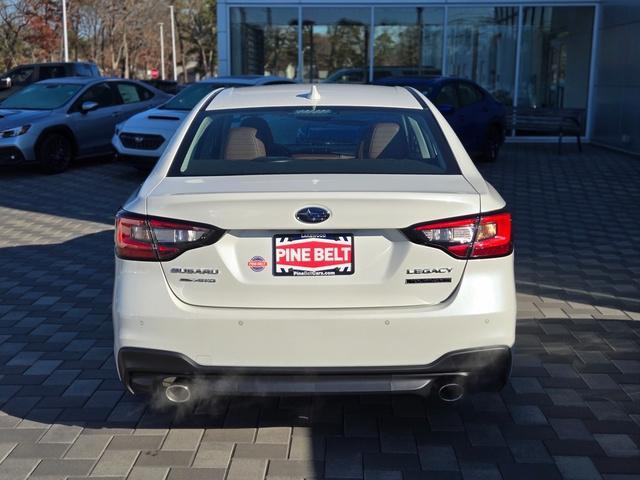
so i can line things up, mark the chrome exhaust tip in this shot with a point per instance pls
(178, 393)
(451, 392)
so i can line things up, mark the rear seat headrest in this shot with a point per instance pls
(243, 144)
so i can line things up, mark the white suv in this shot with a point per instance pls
(299, 239)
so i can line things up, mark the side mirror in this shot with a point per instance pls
(446, 109)
(88, 106)
(5, 83)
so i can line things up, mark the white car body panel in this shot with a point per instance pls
(267, 337)
(369, 319)
(156, 121)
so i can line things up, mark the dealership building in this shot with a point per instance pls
(550, 54)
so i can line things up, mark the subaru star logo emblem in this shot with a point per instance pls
(138, 139)
(312, 215)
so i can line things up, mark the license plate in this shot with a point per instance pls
(312, 254)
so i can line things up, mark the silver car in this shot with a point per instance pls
(56, 121)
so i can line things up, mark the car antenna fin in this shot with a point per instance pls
(314, 94)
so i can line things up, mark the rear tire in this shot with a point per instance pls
(492, 145)
(55, 153)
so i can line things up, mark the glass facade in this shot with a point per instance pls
(529, 55)
(482, 47)
(335, 44)
(264, 41)
(555, 57)
(409, 40)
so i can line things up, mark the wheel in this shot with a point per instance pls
(493, 144)
(55, 153)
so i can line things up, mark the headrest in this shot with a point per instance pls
(242, 144)
(381, 137)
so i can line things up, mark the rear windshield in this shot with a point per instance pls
(42, 96)
(308, 140)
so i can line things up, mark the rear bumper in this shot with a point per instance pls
(143, 370)
(480, 313)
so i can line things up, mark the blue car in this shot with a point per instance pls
(477, 118)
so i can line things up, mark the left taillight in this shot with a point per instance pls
(479, 236)
(141, 237)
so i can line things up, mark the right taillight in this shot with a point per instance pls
(479, 236)
(493, 238)
(140, 237)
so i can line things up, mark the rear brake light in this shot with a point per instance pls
(484, 236)
(139, 237)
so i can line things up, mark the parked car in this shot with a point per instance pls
(314, 239)
(19, 77)
(361, 74)
(142, 139)
(56, 121)
(167, 86)
(477, 118)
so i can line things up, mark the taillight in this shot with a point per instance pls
(483, 236)
(139, 237)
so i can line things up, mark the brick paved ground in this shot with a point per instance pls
(570, 411)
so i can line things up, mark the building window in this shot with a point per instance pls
(335, 44)
(555, 57)
(264, 41)
(408, 41)
(481, 46)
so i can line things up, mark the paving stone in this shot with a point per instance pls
(213, 455)
(295, 469)
(179, 473)
(480, 471)
(245, 468)
(88, 447)
(529, 451)
(183, 439)
(570, 428)
(257, 450)
(617, 445)
(17, 468)
(485, 435)
(39, 450)
(157, 458)
(577, 468)
(438, 457)
(62, 467)
(148, 473)
(61, 434)
(241, 435)
(115, 462)
(273, 435)
(527, 415)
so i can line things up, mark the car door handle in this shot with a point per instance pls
(115, 114)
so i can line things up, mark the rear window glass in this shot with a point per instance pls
(308, 140)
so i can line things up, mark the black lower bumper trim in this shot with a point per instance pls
(482, 369)
(11, 156)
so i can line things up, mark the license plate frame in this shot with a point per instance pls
(337, 242)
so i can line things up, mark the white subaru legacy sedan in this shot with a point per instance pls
(299, 239)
